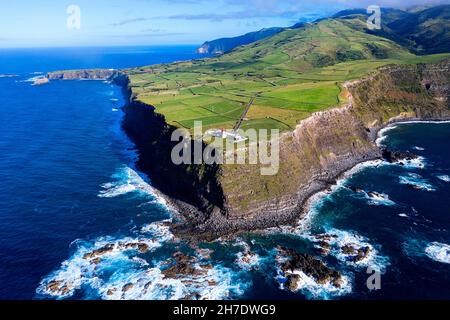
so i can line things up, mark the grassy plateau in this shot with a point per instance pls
(290, 76)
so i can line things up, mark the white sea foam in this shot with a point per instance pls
(417, 182)
(418, 148)
(417, 163)
(33, 79)
(382, 134)
(114, 110)
(160, 230)
(127, 181)
(425, 121)
(246, 259)
(439, 252)
(313, 290)
(78, 271)
(342, 238)
(125, 272)
(445, 178)
(151, 284)
(378, 199)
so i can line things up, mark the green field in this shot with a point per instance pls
(290, 76)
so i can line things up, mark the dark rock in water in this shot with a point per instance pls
(325, 245)
(362, 254)
(374, 194)
(58, 287)
(325, 248)
(99, 252)
(182, 258)
(414, 186)
(141, 247)
(325, 237)
(192, 296)
(397, 156)
(348, 250)
(310, 266)
(183, 267)
(95, 254)
(127, 287)
(147, 285)
(292, 282)
(337, 282)
(111, 291)
(177, 270)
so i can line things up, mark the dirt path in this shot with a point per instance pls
(244, 114)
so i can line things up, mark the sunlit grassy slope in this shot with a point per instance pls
(290, 75)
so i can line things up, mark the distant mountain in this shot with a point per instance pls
(315, 45)
(429, 29)
(423, 30)
(224, 45)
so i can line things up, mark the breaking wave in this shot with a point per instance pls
(439, 252)
(382, 135)
(246, 259)
(352, 249)
(445, 178)
(129, 268)
(417, 182)
(376, 199)
(128, 181)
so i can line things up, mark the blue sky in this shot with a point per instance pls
(27, 23)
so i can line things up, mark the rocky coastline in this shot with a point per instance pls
(319, 151)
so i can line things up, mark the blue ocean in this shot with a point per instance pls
(69, 186)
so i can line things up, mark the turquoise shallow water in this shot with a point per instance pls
(69, 187)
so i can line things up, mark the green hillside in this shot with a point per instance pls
(422, 30)
(289, 76)
(428, 30)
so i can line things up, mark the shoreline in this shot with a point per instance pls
(382, 132)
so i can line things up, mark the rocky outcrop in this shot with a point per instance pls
(94, 74)
(396, 156)
(296, 262)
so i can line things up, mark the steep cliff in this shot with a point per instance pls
(93, 74)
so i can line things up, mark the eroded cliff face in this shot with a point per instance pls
(93, 74)
(397, 93)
